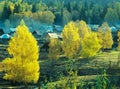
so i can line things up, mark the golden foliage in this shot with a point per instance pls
(90, 45)
(27, 14)
(55, 48)
(78, 40)
(71, 40)
(12, 8)
(83, 29)
(1, 67)
(105, 36)
(118, 35)
(23, 67)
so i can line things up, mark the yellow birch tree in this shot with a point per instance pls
(105, 36)
(118, 35)
(71, 40)
(90, 45)
(23, 66)
(54, 48)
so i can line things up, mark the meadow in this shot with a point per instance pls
(66, 73)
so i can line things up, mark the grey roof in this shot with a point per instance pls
(8, 30)
(5, 36)
(38, 32)
(13, 29)
(53, 35)
(114, 29)
(46, 28)
(93, 27)
(58, 27)
(42, 28)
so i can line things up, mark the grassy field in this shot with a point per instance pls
(87, 69)
(82, 71)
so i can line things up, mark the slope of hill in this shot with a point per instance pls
(66, 1)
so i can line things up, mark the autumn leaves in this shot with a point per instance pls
(79, 41)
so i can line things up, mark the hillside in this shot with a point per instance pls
(66, 1)
(103, 2)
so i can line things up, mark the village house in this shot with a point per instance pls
(51, 35)
(47, 37)
(94, 27)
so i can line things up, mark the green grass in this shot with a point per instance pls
(87, 68)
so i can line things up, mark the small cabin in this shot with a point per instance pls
(94, 27)
(51, 35)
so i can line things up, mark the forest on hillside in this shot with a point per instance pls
(59, 12)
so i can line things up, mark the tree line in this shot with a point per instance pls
(59, 12)
(78, 40)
